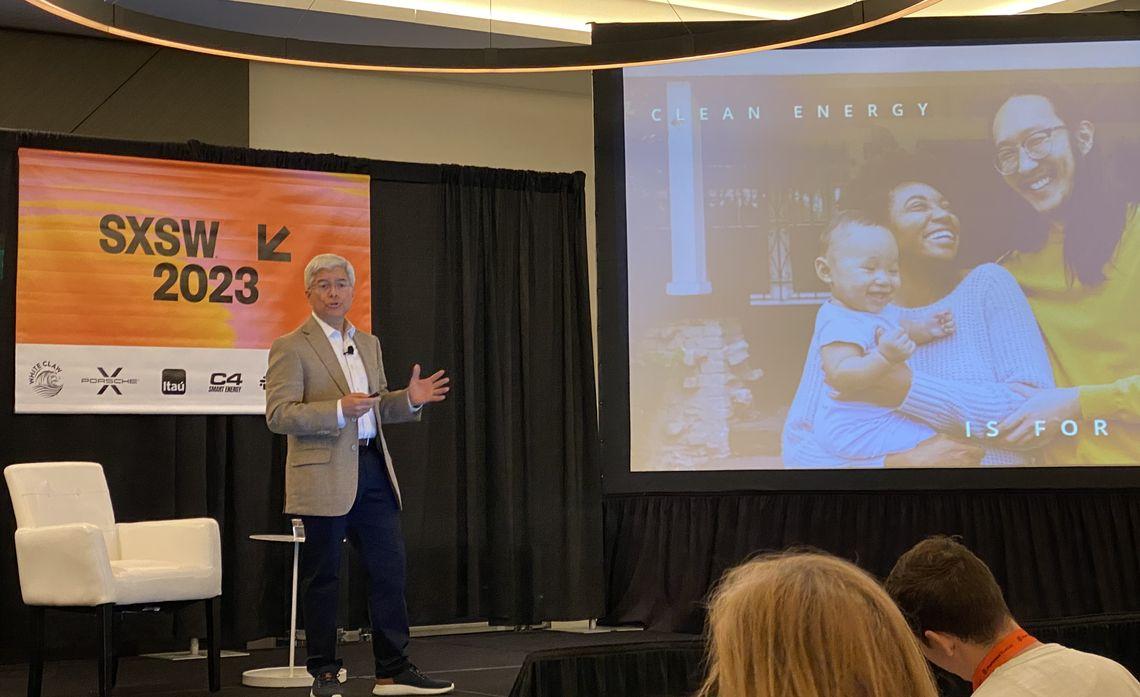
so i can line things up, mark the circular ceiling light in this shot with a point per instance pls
(745, 37)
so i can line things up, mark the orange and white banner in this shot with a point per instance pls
(157, 286)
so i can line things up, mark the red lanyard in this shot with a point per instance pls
(1002, 652)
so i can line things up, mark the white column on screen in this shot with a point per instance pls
(686, 195)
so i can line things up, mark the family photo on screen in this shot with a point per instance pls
(922, 269)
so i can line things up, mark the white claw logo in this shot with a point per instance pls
(46, 379)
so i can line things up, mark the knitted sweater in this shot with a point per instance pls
(966, 377)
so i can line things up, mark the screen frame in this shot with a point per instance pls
(612, 277)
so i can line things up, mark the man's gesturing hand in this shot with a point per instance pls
(357, 404)
(430, 389)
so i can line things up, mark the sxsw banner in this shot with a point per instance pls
(157, 286)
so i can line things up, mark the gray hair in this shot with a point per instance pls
(325, 262)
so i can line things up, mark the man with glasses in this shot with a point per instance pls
(1037, 152)
(326, 389)
(1038, 145)
(1079, 265)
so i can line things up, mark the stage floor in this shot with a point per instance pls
(484, 665)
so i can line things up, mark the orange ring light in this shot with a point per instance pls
(749, 37)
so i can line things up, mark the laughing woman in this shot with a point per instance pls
(981, 374)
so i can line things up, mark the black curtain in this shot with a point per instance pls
(1068, 561)
(501, 482)
(514, 491)
(638, 669)
(527, 430)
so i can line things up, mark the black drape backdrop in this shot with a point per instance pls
(1069, 561)
(524, 360)
(478, 271)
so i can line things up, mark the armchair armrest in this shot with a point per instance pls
(64, 565)
(191, 541)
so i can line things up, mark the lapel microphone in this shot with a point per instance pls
(349, 351)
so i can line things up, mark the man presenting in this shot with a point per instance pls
(326, 390)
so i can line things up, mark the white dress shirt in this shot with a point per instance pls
(354, 373)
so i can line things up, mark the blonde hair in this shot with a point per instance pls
(809, 625)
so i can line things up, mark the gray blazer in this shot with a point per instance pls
(302, 387)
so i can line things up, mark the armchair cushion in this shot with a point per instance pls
(192, 541)
(152, 581)
(168, 560)
(64, 565)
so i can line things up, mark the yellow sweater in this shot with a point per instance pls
(1093, 338)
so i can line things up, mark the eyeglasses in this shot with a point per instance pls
(1038, 145)
(325, 286)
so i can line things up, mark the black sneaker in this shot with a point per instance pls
(326, 685)
(413, 682)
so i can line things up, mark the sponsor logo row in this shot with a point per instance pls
(46, 379)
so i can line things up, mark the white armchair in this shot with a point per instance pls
(72, 555)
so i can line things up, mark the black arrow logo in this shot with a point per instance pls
(267, 249)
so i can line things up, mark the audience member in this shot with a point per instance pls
(809, 625)
(956, 609)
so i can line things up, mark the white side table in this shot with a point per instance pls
(291, 675)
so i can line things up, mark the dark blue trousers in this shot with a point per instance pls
(372, 526)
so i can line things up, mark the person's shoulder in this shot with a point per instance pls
(990, 272)
(842, 325)
(827, 313)
(991, 280)
(1060, 660)
(1105, 667)
(833, 314)
(296, 334)
(831, 309)
(1022, 676)
(362, 335)
(827, 308)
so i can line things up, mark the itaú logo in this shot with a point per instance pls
(110, 381)
(173, 381)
